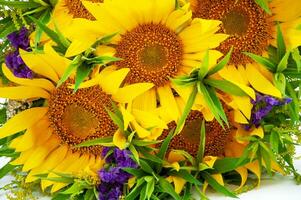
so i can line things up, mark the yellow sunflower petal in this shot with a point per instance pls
(244, 105)
(254, 167)
(41, 83)
(119, 140)
(141, 132)
(162, 10)
(179, 184)
(167, 101)
(243, 172)
(130, 92)
(23, 92)
(32, 136)
(78, 46)
(174, 156)
(286, 10)
(22, 121)
(56, 157)
(39, 63)
(127, 117)
(40, 153)
(260, 83)
(111, 83)
(149, 120)
(146, 101)
(258, 132)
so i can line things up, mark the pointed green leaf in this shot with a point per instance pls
(225, 86)
(264, 4)
(19, 4)
(168, 188)
(201, 150)
(281, 48)
(116, 119)
(76, 62)
(283, 63)
(216, 186)
(82, 73)
(52, 34)
(150, 187)
(203, 70)
(297, 58)
(221, 64)
(6, 169)
(187, 110)
(264, 61)
(99, 141)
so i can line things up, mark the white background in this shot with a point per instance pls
(275, 188)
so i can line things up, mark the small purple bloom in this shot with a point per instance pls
(19, 39)
(15, 63)
(114, 177)
(263, 105)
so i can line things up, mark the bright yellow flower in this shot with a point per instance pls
(251, 29)
(66, 118)
(156, 42)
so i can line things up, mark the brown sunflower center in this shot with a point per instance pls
(153, 52)
(189, 138)
(249, 26)
(235, 23)
(80, 117)
(77, 9)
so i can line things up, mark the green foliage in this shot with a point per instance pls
(201, 81)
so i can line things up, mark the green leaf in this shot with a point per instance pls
(81, 74)
(19, 4)
(146, 167)
(75, 188)
(225, 86)
(9, 28)
(267, 160)
(297, 58)
(150, 157)
(39, 31)
(264, 61)
(204, 68)
(264, 4)
(216, 186)
(274, 141)
(138, 173)
(135, 153)
(283, 63)
(186, 110)
(164, 147)
(280, 82)
(228, 164)
(99, 141)
(142, 143)
(6, 169)
(143, 193)
(118, 121)
(52, 34)
(221, 64)
(168, 188)
(150, 187)
(281, 48)
(201, 149)
(55, 179)
(66, 43)
(187, 176)
(89, 195)
(136, 190)
(101, 60)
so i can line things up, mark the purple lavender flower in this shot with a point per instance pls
(263, 105)
(114, 177)
(19, 39)
(15, 63)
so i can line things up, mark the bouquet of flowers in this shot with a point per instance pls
(148, 99)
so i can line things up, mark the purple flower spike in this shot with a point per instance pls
(15, 63)
(114, 177)
(19, 39)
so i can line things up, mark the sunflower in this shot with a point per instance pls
(219, 143)
(65, 120)
(66, 10)
(251, 29)
(155, 41)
